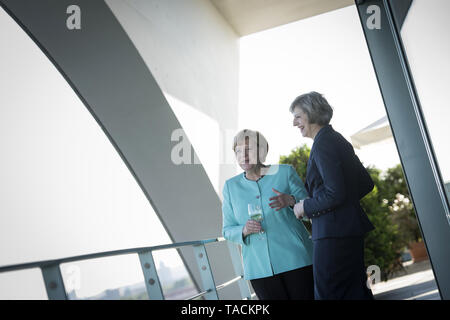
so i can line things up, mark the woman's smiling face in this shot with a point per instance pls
(301, 121)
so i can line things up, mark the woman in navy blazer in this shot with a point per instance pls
(336, 181)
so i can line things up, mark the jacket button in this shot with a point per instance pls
(257, 197)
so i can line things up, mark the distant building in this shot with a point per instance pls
(164, 274)
(111, 294)
(72, 295)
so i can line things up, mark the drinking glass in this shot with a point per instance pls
(255, 213)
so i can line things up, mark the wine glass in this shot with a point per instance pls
(255, 213)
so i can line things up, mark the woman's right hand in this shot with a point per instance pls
(251, 226)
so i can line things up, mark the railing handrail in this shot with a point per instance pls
(198, 295)
(38, 264)
(226, 284)
(219, 287)
(55, 288)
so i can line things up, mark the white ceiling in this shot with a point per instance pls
(250, 16)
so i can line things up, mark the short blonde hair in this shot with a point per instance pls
(254, 138)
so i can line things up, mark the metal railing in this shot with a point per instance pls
(54, 285)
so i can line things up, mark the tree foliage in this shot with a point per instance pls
(382, 246)
(299, 159)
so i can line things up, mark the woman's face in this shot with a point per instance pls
(246, 156)
(301, 121)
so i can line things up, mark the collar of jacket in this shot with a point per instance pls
(273, 169)
(327, 128)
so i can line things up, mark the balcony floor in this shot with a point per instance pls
(419, 284)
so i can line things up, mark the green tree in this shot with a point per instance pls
(396, 195)
(402, 214)
(393, 183)
(382, 246)
(298, 158)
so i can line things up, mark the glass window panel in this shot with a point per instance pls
(427, 46)
(111, 278)
(22, 285)
(174, 278)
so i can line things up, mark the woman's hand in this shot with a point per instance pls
(250, 227)
(299, 211)
(281, 200)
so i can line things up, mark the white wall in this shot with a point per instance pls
(193, 54)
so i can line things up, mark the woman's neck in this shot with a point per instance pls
(315, 130)
(255, 173)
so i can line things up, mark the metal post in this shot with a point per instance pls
(205, 272)
(151, 278)
(410, 134)
(53, 282)
(239, 270)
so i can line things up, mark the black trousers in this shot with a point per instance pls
(339, 271)
(296, 284)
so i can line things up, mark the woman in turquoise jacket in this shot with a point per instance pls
(276, 251)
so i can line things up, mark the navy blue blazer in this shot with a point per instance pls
(336, 181)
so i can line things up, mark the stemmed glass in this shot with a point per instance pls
(255, 213)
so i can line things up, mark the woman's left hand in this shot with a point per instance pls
(299, 210)
(281, 200)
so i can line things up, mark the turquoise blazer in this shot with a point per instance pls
(286, 244)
